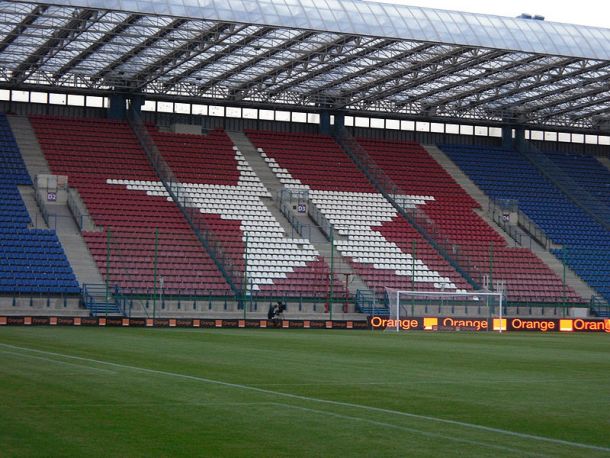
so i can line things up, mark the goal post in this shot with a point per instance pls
(400, 301)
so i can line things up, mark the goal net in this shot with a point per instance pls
(479, 305)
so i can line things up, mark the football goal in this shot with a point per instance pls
(405, 305)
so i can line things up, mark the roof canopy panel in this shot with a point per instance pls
(357, 56)
(385, 20)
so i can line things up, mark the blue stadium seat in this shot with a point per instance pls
(32, 261)
(505, 174)
(587, 172)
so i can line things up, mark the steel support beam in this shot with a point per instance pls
(272, 75)
(398, 75)
(105, 39)
(34, 61)
(554, 92)
(256, 60)
(537, 74)
(27, 21)
(591, 114)
(261, 32)
(55, 47)
(576, 107)
(450, 69)
(197, 45)
(366, 70)
(572, 97)
(147, 43)
(471, 79)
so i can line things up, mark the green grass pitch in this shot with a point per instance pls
(89, 392)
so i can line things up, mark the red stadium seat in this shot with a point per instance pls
(92, 152)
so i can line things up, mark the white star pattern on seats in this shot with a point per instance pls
(272, 253)
(355, 215)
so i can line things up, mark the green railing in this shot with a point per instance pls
(188, 208)
(425, 225)
(497, 208)
(318, 217)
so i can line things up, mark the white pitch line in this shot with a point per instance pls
(520, 452)
(139, 405)
(323, 401)
(80, 366)
(426, 382)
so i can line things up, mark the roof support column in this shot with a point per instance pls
(513, 135)
(135, 103)
(339, 120)
(519, 138)
(118, 107)
(119, 104)
(507, 137)
(325, 122)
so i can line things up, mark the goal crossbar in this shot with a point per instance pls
(455, 295)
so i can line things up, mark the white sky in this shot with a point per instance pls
(584, 12)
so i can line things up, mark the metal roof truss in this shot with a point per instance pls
(48, 47)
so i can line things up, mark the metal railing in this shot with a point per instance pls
(286, 199)
(56, 222)
(100, 301)
(497, 208)
(128, 303)
(41, 205)
(427, 227)
(298, 228)
(533, 230)
(508, 228)
(79, 211)
(187, 206)
(600, 307)
(318, 217)
(371, 304)
(579, 196)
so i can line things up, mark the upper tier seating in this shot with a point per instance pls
(506, 174)
(103, 160)
(527, 278)
(32, 261)
(376, 241)
(222, 185)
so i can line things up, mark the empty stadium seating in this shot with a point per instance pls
(504, 174)
(144, 234)
(527, 279)
(222, 185)
(372, 237)
(144, 237)
(32, 261)
(587, 171)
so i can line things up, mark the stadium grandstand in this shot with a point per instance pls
(209, 158)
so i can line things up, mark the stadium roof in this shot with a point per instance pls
(360, 57)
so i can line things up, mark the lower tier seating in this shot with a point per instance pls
(374, 239)
(234, 204)
(504, 174)
(525, 277)
(32, 261)
(145, 241)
